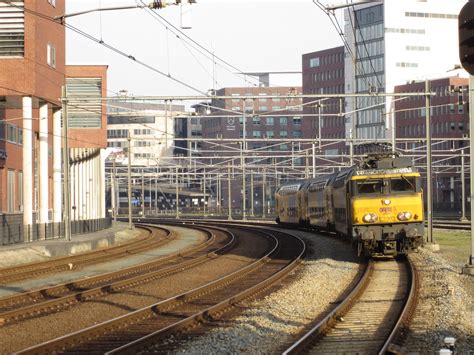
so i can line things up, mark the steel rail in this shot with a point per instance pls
(146, 271)
(213, 312)
(332, 317)
(67, 263)
(87, 335)
(409, 302)
(405, 315)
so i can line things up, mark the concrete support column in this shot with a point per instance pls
(93, 189)
(75, 203)
(102, 183)
(73, 168)
(97, 193)
(88, 188)
(98, 186)
(80, 184)
(27, 164)
(43, 164)
(57, 204)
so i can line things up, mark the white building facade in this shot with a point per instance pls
(390, 43)
(151, 131)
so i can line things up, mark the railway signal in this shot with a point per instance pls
(466, 37)
(466, 55)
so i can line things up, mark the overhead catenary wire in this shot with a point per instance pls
(180, 35)
(110, 47)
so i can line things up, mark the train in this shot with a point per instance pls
(377, 205)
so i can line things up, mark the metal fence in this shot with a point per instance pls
(12, 233)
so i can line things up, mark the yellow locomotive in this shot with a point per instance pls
(377, 204)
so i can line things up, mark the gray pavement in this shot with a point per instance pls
(22, 253)
(186, 238)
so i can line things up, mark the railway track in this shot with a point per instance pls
(371, 318)
(441, 224)
(447, 224)
(142, 328)
(51, 299)
(74, 262)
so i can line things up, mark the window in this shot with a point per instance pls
(12, 29)
(297, 134)
(283, 121)
(314, 62)
(11, 134)
(296, 120)
(51, 55)
(52, 2)
(374, 186)
(270, 121)
(283, 134)
(2, 131)
(20, 191)
(256, 134)
(20, 136)
(256, 120)
(11, 191)
(86, 114)
(403, 184)
(270, 134)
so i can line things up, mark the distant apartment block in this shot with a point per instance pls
(391, 43)
(323, 73)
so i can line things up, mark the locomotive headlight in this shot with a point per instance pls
(370, 218)
(386, 202)
(404, 216)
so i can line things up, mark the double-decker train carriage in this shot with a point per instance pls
(378, 205)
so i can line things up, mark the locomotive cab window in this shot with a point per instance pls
(372, 186)
(403, 184)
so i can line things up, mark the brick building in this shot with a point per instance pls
(323, 73)
(449, 124)
(32, 73)
(273, 127)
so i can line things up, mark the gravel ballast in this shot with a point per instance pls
(267, 324)
(445, 306)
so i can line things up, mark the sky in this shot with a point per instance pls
(251, 36)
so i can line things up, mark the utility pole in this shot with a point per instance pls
(429, 186)
(319, 125)
(67, 203)
(229, 194)
(143, 193)
(177, 195)
(264, 194)
(251, 194)
(242, 162)
(113, 191)
(129, 139)
(204, 192)
(463, 190)
(466, 56)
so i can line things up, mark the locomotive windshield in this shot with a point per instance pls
(372, 186)
(399, 184)
(403, 184)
